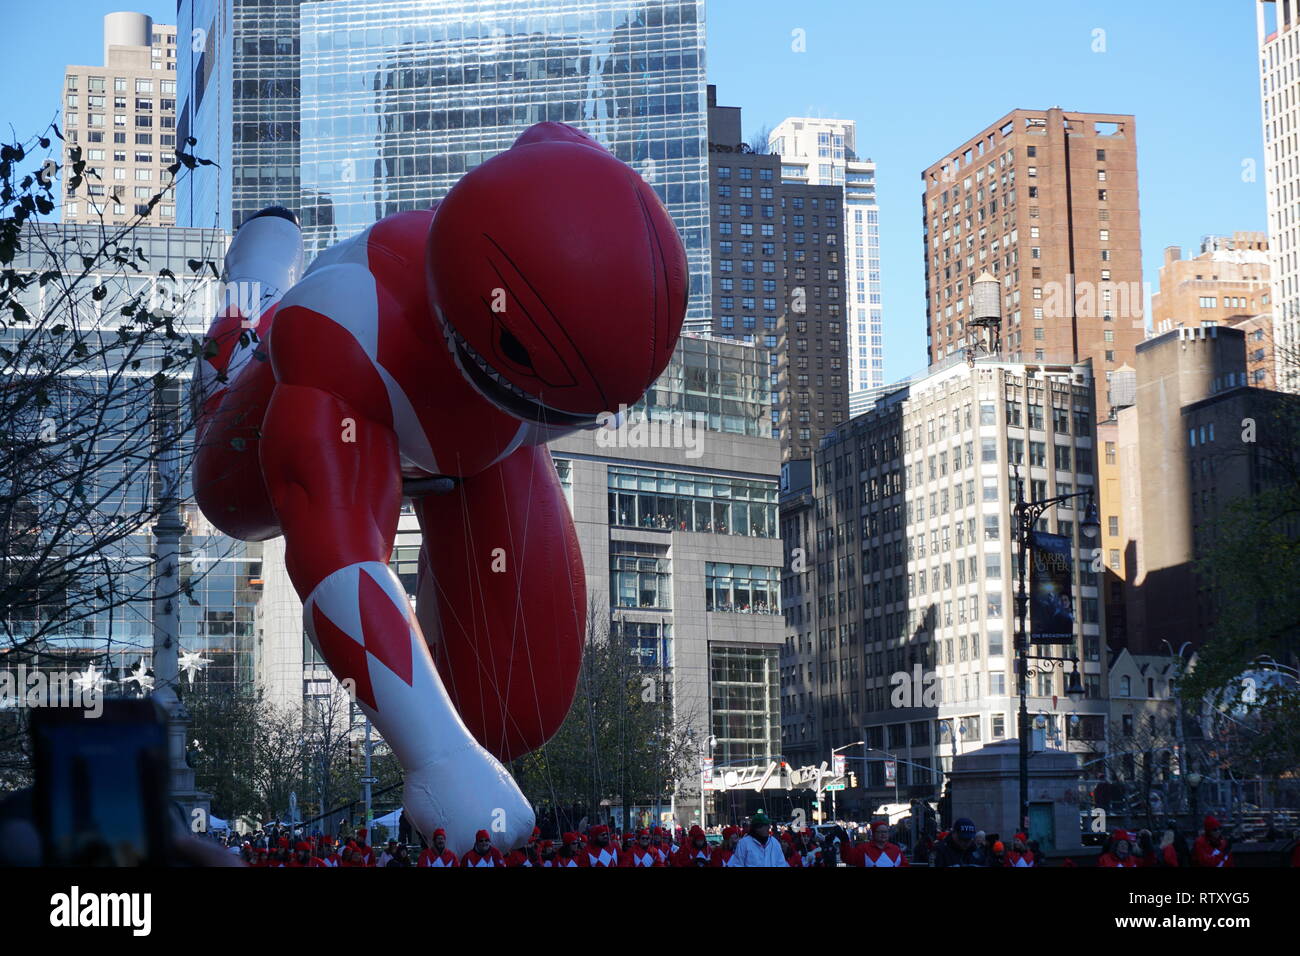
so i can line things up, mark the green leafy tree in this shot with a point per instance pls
(623, 737)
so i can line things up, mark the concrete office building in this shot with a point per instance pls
(824, 152)
(1047, 201)
(689, 543)
(1185, 461)
(779, 280)
(902, 632)
(1279, 87)
(123, 116)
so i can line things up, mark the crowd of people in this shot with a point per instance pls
(757, 844)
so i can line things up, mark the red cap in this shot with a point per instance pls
(362, 833)
(598, 830)
(999, 847)
(303, 846)
(482, 835)
(571, 837)
(697, 833)
(1022, 838)
(878, 824)
(440, 832)
(730, 831)
(1211, 823)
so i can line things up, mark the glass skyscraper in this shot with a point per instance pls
(349, 110)
(237, 96)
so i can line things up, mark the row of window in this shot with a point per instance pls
(96, 84)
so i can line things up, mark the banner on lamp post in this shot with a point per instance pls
(1051, 598)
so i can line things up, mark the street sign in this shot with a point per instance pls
(834, 786)
(370, 780)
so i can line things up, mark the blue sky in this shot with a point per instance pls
(919, 79)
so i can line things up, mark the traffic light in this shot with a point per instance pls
(853, 780)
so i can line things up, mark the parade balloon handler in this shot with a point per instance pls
(554, 289)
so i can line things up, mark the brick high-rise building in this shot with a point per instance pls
(1279, 87)
(778, 280)
(1047, 201)
(1226, 284)
(123, 116)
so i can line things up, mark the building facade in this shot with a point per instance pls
(778, 259)
(684, 529)
(122, 114)
(1226, 282)
(219, 616)
(349, 111)
(239, 99)
(1279, 88)
(902, 633)
(1185, 462)
(824, 152)
(1046, 201)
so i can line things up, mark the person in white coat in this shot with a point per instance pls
(758, 847)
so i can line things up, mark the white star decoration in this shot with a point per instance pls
(140, 677)
(191, 663)
(91, 679)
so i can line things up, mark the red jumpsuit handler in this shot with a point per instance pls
(483, 853)
(599, 853)
(431, 357)
(1120, 853)
(879, 851)
(438, 854)
(528, 854)
(641, 852)
(730, 837)
(1020, 855)
(695, 851)
(1211, 848)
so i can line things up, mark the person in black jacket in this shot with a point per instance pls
(958, 849)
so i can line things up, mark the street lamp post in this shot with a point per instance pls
(834, 751)
(710, 742)
(1024, 516)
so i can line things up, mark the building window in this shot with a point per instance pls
(742, 588)
(639, 575)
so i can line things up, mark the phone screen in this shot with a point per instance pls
(101, 785)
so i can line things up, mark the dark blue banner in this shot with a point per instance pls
(1051, 601)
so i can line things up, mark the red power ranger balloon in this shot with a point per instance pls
(439, 350)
